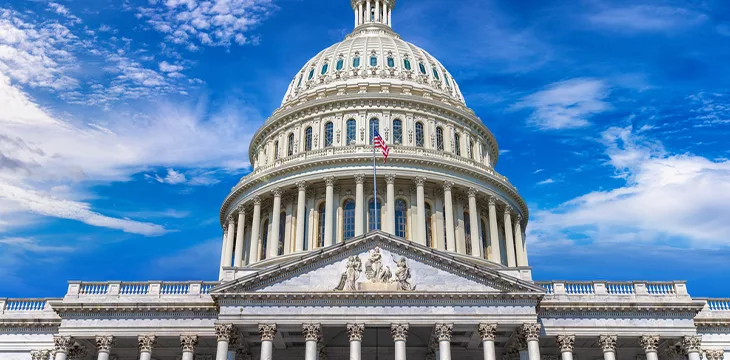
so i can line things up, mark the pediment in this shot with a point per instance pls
(378, 263)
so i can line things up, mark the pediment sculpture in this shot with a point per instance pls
(378, 276)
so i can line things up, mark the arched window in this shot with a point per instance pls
(485, 241)
(340, 64)
(329, 132)
(391, 62)
(290, 145)
(282, 235)
(429, 233)
(351, 131)
(320, 227)
(348, 220)
(276, 150)
(457, 144)
(401, 218)
(435, 74)
(397, 132)
(264, 240)
(446, 78)
(373, 220)
(419, 134)
(356, 61)
(301, 77)
(373, 60)
(308, 139)
(325, 67)
(407, 64)
(467, 232)
(422, 67)
(311, 74)
(374, 125)
(440, 138)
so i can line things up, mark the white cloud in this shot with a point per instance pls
(566, 104)
(173, 177)
(211, 23)
(546, 182)
(32, 245)
(647, 18)
(167, 67)
(681, 199)
(538, 171)
(62, 10)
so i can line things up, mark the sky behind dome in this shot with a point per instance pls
(124, 124)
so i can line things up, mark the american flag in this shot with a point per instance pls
(380, 143)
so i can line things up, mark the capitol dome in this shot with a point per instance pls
(312, 184)
(373, 52)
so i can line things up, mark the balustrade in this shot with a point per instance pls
(628, 288)
(13, 305)
(718, 304)
(142, 288)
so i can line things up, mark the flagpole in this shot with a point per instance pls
(375, 179)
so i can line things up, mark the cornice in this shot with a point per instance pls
(348, 298)
(547, 308)
(355, 102)
(30, 325)
(106, 307)
(449, 170)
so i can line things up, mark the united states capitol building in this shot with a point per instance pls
(313, 266)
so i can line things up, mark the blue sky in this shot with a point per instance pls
(125, 123)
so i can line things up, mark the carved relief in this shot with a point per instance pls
(607, 342)
(403, 276)
(267, 332)
(399, 332)
(649, 342)
(348, 281)
(378, 275)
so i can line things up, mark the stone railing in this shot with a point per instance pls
(618, 288)
(153, 288)
(22, 305)
(367, 150)
(718, 304)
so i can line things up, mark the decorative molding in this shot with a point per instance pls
(399, 332)
(276, 192)
(492, 201)
(420, 180)
(448, 185)
(649, 342)
(390, 179)
(104, 343)
(566, 342)
(301, 185)
(472, 192)
(329, 180)
(355, 331)
(531, 331)
(692, 343)
(359, 178)
(488, 332)
(146, 342)
(62, 343)
(189, 342)
(718, 354)
(267, 332)
(311, 331)
(607, 342)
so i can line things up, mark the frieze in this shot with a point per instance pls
(378, 275)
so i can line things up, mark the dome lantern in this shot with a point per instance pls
(372, 12)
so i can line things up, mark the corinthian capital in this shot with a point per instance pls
(276, 192)
(488, 331)
(355, 331)
(104, 343)
(492, 201)
(359, 178)
(188, 342)
(329, 181)
(224, 332)
(607, 342)
(62, 343)
(390, 179)
(530, 331)
(566, 342)
(443, 331)
(420, 180)
(714, 354)
(649, 342)
(312, 332)
(38, 355)
(472, 192)
(448, 185)
(267, 332)
(692, 343)
(146, 342)
(257, 200)
(302, 185)
(399, 332)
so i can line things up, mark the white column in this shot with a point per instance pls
(608, 344)
(188, 344)
(230, 240)
(253, 256)
(146, 343)
(443, 334)
(273, 244)
(377, 10)
(359, 204)
(566, 343)
(301, 215)
(223, 333)
(476, 246)
(421, 210)
(488, 333)
(519, 242)
(400, 334)
(62, 345)
(329, 217)
(531, 332)
(240, 232)
(104, 345)
(390, 17)
(493, 231)
(367, 12)
(390, 204)
(267, 332)
(360, 19)
(691, 345)
(355, 331)
(508, 239)
(449, 217)
(650, 344)
(459, 223)
(312, 333)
